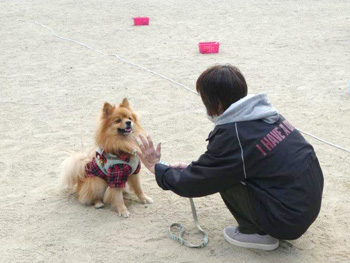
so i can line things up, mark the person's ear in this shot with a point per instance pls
(220, 110)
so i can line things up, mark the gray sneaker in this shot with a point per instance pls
(264, 242)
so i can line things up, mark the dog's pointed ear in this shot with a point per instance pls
(107, 109)
(125, 103)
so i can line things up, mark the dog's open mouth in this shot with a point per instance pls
(125, 131)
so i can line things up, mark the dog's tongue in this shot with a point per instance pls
(128, 129)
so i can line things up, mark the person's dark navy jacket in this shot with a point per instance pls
(275, 163)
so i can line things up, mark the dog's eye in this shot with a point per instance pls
(118, 120)
(130, 118)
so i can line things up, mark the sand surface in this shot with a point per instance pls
(298, 52)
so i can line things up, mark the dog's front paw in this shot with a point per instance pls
(125, 213)
(147, 200)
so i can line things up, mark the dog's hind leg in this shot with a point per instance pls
(135, 183)
(91, 191)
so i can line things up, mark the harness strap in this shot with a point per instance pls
(112, 159)
(180, 239)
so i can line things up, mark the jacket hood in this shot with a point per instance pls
(249, 108)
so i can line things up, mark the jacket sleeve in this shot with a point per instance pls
(218, 169)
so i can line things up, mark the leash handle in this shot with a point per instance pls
(180, 239)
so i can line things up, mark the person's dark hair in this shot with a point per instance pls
(220, 86)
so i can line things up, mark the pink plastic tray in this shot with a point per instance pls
(141, 21)
(208, 47)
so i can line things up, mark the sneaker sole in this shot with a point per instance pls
(250, 245)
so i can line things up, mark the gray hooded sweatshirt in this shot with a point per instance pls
(249, 108)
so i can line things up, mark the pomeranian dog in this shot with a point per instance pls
(99, 176)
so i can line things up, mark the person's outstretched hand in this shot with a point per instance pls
(149, 155)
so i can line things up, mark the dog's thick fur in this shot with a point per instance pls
(116, 132)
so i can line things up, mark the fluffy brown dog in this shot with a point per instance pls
(100, 175)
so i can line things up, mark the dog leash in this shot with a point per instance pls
(180, 239)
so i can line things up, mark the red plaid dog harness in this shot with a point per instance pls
(114, 169)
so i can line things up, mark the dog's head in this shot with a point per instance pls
(117, 126)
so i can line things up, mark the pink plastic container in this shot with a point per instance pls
(141, 21)
(208, 47)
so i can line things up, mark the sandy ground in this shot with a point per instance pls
(51, 91)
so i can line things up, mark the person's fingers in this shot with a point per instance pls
(142, 148)
(150, 142)
(159, 148)
(179, 165)
(143, 140)
(174, 165)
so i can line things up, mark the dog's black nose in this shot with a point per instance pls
(128, 123)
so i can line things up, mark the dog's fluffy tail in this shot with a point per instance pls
(73, 169)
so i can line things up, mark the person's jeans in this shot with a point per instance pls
(238, 201)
